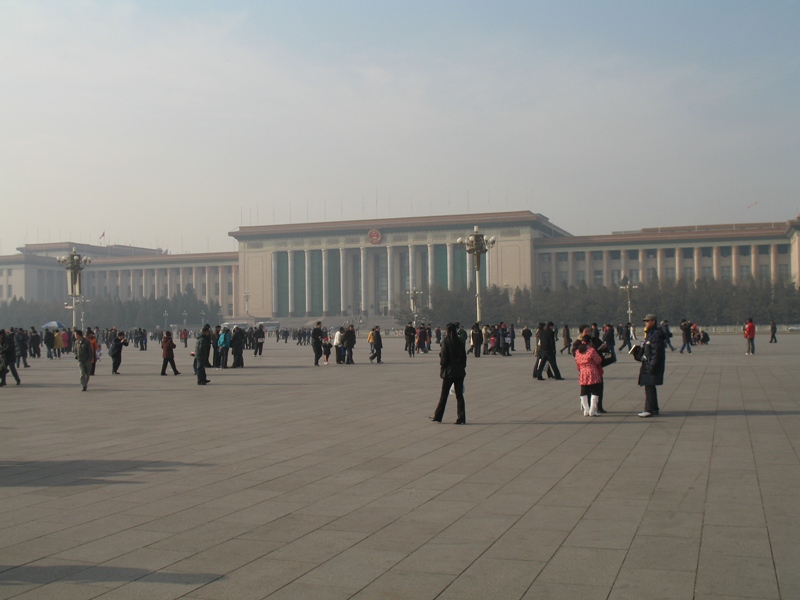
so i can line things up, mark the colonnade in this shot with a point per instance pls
(729, 261)
(365, 279)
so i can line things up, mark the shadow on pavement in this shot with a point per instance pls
(55, 473)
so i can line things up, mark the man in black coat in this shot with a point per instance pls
(548, 340)
(116, 352)
(201, 349)
(377, 345)
(349, 342)
(453, 369)
(410, 333)
(316, 342)
(654, 359)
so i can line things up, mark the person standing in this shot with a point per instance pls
(749, 337)
(548, 357)
(452, 370)
(667, 334)
(49, 341)
(338, 345)
(116, 352)
(237, 348)
(686, 334)
(590, 374)
(349, 343)
(168, 353)
(526, 335)
(21, 342)
(9, 356)
(258, 339)
(377, 345)
(477, 340)
(316, 342)
(83, 354)
(654, 359)
(410, 333)
(201, 349)
(223, 346)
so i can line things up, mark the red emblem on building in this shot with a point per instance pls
(374, 236)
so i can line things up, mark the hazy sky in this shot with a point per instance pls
(171, 123)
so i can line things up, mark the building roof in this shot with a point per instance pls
(504, 219)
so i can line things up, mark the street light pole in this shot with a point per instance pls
(246, 302)
(166, 316)
(477, 244)
(74, 263)
(413, 297)
(628, 287)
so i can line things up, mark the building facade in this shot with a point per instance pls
(374, 266)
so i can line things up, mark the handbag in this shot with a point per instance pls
(608, 358)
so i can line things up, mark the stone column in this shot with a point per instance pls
(390, 278)
(235, 296)
(208, 286)
(450, 266)
(342, 281)
(308, 282)
(290, 253)
(570, 268)
(221, 298)
(607, 268)
(431, 278)
(145, 278)
(180, 279)
(660, 263)
(411, 268)
(642, 264)
(698, 269)
(716, 255)
(119, 283)
(364, 300)
(773, 262)
(274, 284)
(325, 283)
(754, 261)
(623, 263)
(735, 264)
(194, 282)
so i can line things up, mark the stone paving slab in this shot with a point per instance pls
(282, 480)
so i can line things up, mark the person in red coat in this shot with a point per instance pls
(590, 373)
(750, 337)
(168, 353)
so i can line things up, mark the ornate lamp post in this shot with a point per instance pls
(203, 317)
(185, 314)
(626, 285)
(74, 264)
(246, 296)
(413, 298)
(477, 244)
(166, 316)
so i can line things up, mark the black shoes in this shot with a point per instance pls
(435, 420)
(460, 423)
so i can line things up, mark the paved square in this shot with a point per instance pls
(282, 480)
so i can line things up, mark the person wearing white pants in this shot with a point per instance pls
(590, 374)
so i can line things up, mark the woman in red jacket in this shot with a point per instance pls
(168, 353)
(590, 373)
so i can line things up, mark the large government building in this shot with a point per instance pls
(373, 266)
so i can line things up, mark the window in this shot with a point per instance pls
(563, 277)
(562, 256)
(650, 253)
(744, 272)
(744, 250)
(615, 276)
(580, 277)
(580, 256)
(669, 273)
(544, 257)
(633, 275)
(9, 293)
(633, 254)
(706, 252)
(598, 277)
(763, 273)
(203, 289)
(615, 254)
(651, 274)
(546, 279)
(669, 252)
(230, 288)
(1, 291)
(725, 251)
(597, 255)
(725, 272)
(708, 272)
(216, 290)
(688, 273)
(688, 252)
(9, 272)
(783, 248)
(763, 250)
(783, 272)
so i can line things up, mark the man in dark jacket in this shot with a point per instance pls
(548, 340)
(237, 347)
(116, 352)
(316, 342)
(686, 333)
(410, 333)
(453, 369)
(201, 349)
(84, 355)
(349, 342)
(377, 344)
(654, 358)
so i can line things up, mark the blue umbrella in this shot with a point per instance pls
(54, 325)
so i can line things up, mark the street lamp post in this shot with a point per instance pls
(414, 296)
(246, 302)
(166, 316)
(185, 314)
(202, 317)
(626, 285)
(74, 264)
(477, 244)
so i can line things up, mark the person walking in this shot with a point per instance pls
(410, 333)
(8, 357)
(654, 359)
(258, 341)
(168, 353)
(548, 354)
(83, 354)
(452, 370)
(377, 345)
(773, 329)
(566, 340)
(316, 342)
(349, 343)
(686, 334)
(201, 349)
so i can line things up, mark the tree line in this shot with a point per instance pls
(708, 302)
(113, 312)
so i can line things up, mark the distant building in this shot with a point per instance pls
(370, 266)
